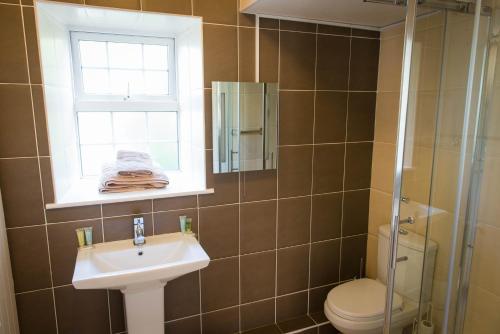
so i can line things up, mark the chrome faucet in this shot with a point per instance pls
(139, 239)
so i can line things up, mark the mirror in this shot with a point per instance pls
(245, 126)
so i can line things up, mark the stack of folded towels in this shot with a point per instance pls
(131, 171)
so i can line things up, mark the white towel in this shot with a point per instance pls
(132, 163)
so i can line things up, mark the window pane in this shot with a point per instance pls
(162, 126)
(155, 57)
(129, 127)
(93, 157)
(165, 154)
(95, 127)
(156, 82)
(125, 55)
(95, 81)
(93, 54)
(121, 80)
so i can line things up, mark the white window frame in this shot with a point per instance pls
(95, 102)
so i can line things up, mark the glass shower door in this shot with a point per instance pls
(439, 96)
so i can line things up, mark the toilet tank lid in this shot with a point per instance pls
(361, 299)
(411, 240)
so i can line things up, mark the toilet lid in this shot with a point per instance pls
(363, 298)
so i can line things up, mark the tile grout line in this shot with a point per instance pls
(38, 161)
(276, 228)
(312, 168)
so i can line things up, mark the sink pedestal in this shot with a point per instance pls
(144, 308)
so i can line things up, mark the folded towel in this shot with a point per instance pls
(132, 163)
(113, 181)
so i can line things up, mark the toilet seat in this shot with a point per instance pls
(361, 300)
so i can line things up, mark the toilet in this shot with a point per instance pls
(357, 307)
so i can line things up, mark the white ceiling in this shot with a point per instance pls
(347, 12)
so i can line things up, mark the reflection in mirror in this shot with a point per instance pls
(245, 126)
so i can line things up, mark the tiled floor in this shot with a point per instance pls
(315, 323)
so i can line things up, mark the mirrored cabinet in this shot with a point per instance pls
(245, 126)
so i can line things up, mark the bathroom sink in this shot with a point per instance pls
(118, 264)
(140, 272)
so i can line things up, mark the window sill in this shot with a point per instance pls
(85, 192)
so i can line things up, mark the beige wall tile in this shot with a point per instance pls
(386, 117)
(380, 210)
(482, 312)
(390, 61)
(486, 260)
(383, 167)
(371, 256)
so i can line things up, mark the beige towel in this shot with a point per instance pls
(113, 181)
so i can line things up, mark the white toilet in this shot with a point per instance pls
(357, 307)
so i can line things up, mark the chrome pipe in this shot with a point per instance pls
(411, 17)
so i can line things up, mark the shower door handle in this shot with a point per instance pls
(409, 220)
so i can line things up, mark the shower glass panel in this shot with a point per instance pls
(445, 51)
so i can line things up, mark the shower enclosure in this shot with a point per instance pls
(447, 169)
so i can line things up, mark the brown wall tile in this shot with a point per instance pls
(326, 216)
(296, 324)
(174, 203)
(168, 222)
(208, 118)
(269, 55)
(64, 247)
(258, 185)
(182, 297)
(361, 119)
(353, 257)
(184, 326)
(224, 321)
(21, 192)
(358, 164)
(356, 207)
(32, 45)
(116, 311)
(126, 4)
(325, 261)
(220, 272)
(81, 311)
(365, 33)
(294, 216)
(293, 266)
(122, 228)
(29, 258)
(225, 190)
(328, 168)
(364, 64)
(219, 226)
(317, 297)
(16, 122)
(220, 11)
(332, 70)
(334, 30)
(246, 63)
(245, 20)
(296, 117)
(47, 186)
(73, 213)
(330, 117)
(40, 120)
(220, 49)
(126, 208)
(257, 226)
(172, 6)
(257, 276)
(297, 60)
(268, 23)
(13, 57)
(294, 171)
(291, 306)
(36, 312)
(297, 26)
(257, 314)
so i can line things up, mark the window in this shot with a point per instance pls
(125, 98)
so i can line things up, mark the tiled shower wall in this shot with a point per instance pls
(279, 241)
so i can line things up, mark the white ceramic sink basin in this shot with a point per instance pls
(140, 273)
(116, 265)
